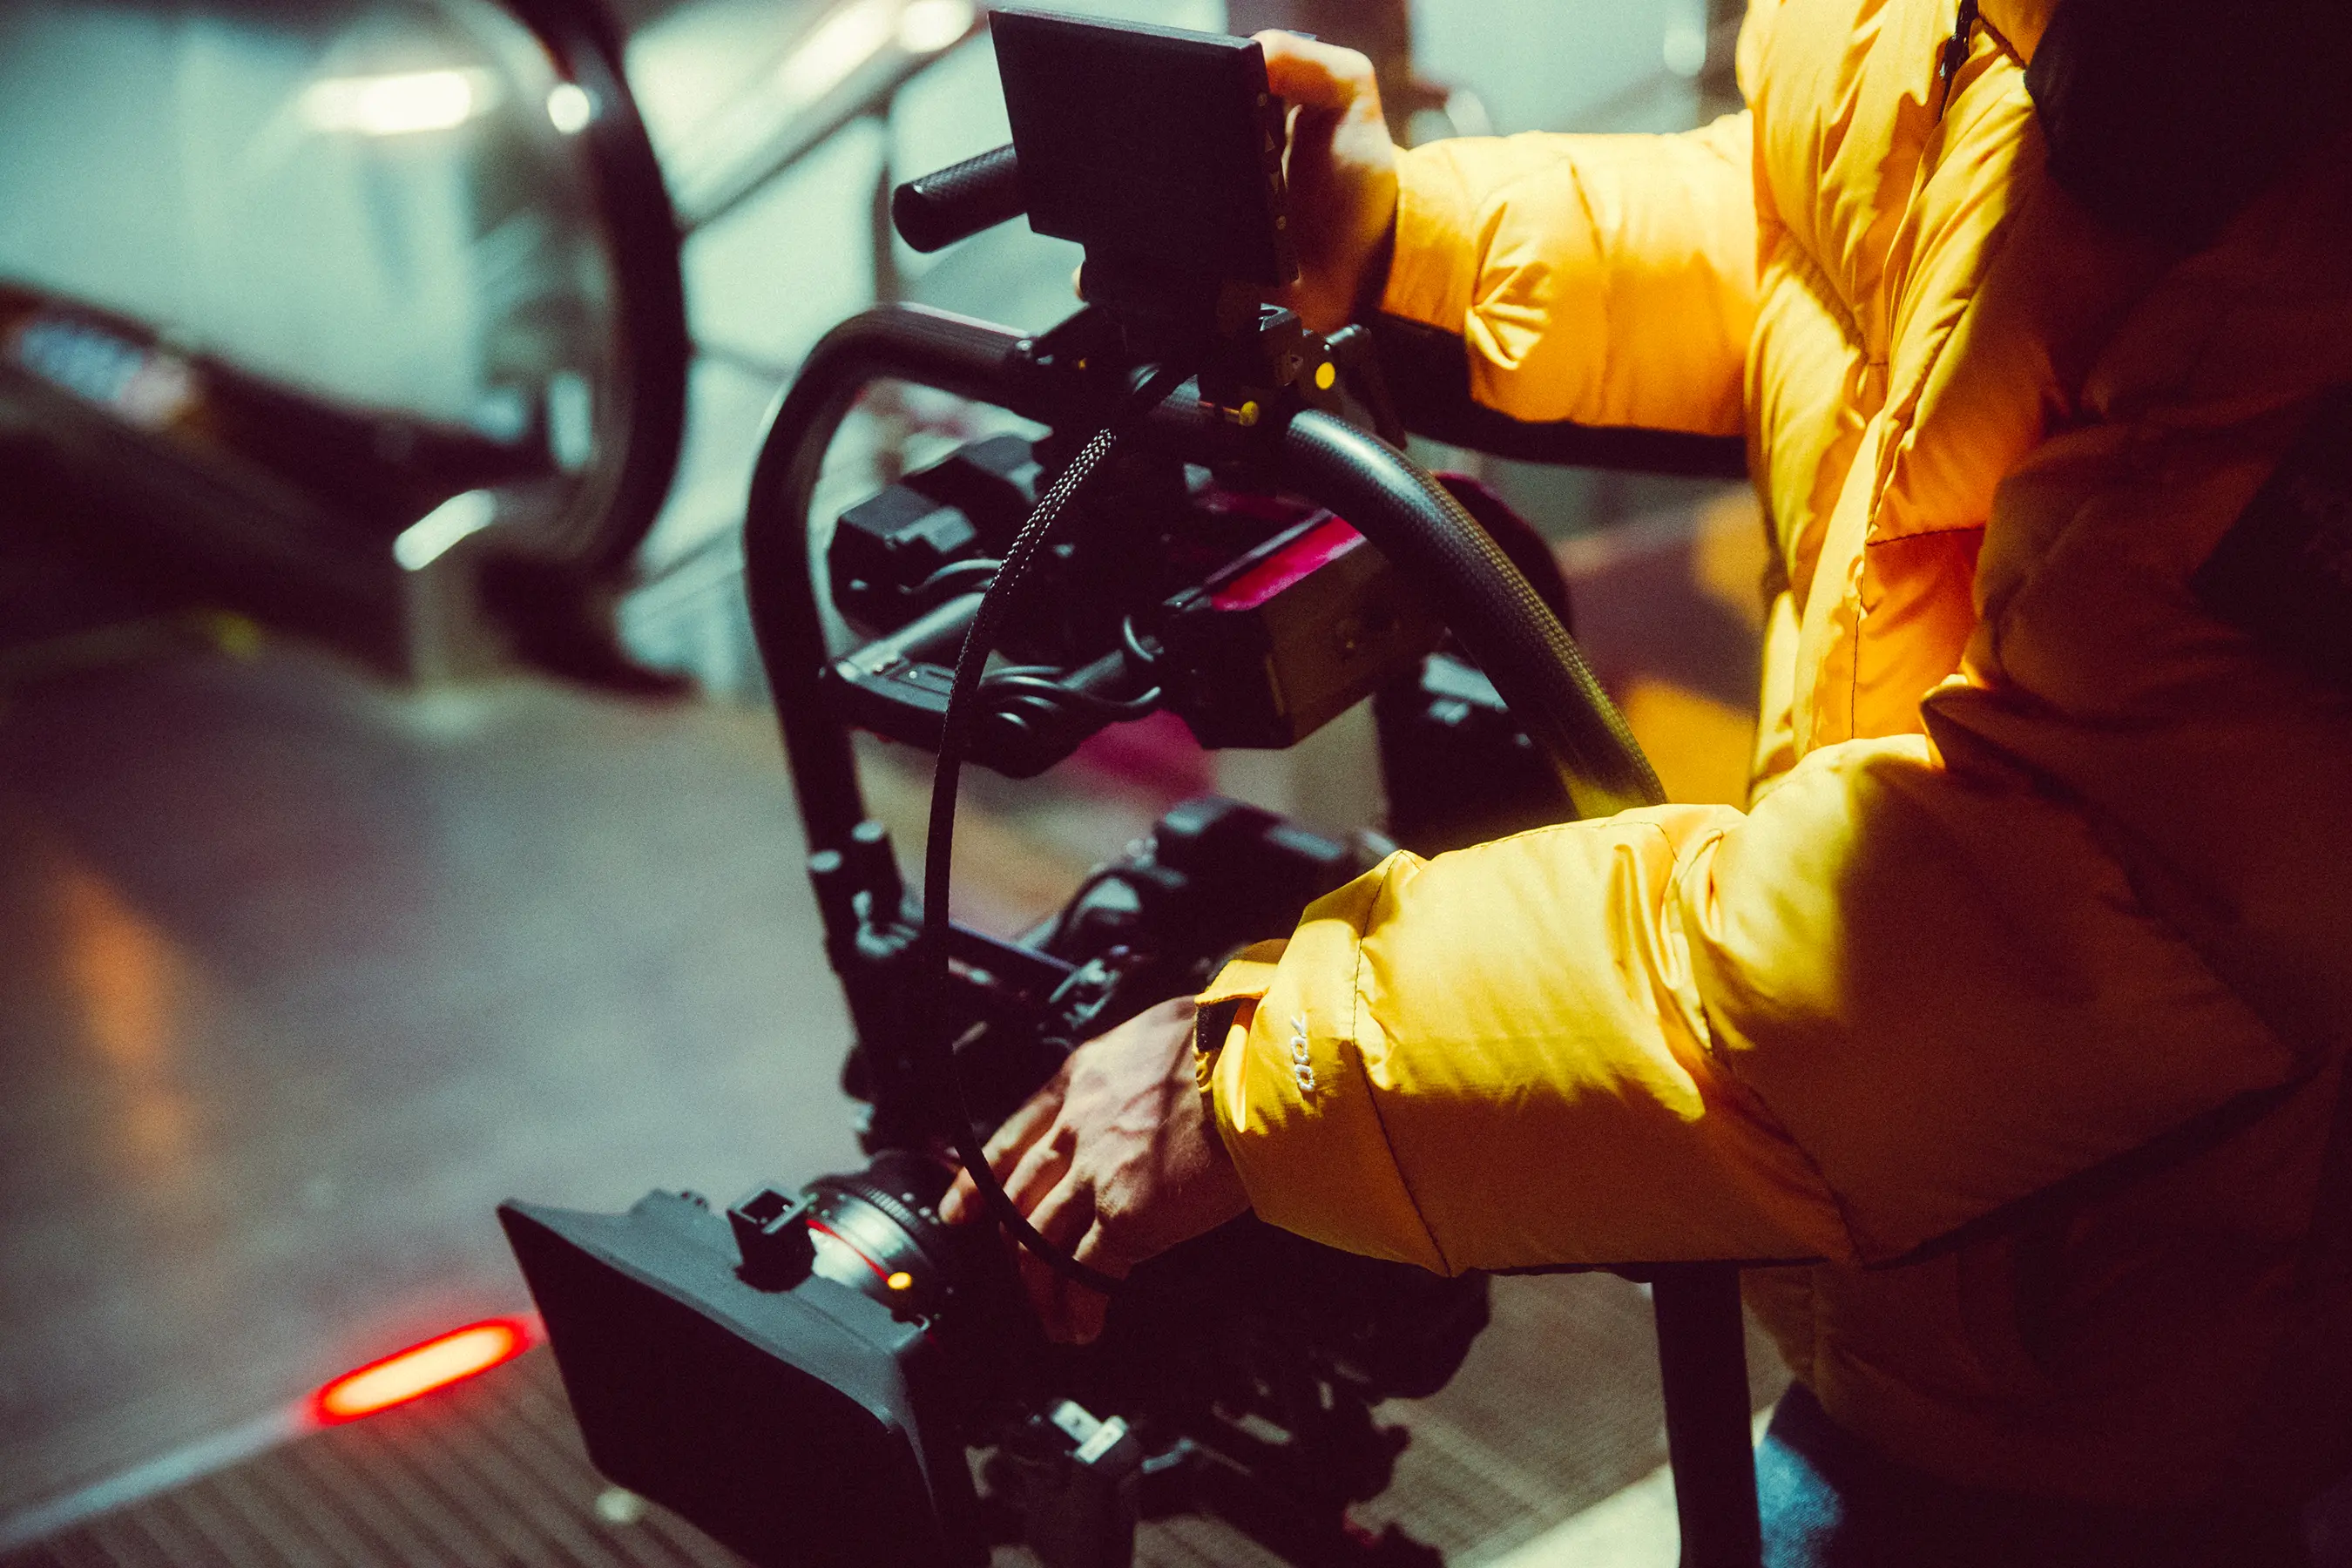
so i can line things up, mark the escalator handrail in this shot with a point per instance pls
(649, 305)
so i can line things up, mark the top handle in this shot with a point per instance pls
(935, 211)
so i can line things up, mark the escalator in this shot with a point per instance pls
(366, 323)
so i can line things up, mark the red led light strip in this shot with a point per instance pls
(420, 1369)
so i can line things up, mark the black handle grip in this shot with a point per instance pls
(935, 211)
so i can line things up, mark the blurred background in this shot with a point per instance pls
(390, 819)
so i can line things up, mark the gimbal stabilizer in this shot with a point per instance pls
(847, 1346)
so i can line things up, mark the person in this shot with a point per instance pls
(2007, 1022)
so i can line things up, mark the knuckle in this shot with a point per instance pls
(1115, 1217)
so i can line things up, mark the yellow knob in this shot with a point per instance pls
(901, 1280)
(1325, 374)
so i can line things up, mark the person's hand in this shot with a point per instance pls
(1114, 1160)
(1342, 169)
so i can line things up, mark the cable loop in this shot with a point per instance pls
(939, 851)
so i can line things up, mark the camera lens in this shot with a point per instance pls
(879, 1231)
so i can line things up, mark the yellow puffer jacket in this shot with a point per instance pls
(2042, 863)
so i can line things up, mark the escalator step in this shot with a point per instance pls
(1556, 1409)
(488, 1474)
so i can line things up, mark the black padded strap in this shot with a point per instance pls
(1428, 377)
(2166, 120)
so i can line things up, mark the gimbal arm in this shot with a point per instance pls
(968, 358)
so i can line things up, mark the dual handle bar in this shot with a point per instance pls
(1531, 661)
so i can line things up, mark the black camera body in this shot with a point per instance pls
(1274, 616)
(803, 1375)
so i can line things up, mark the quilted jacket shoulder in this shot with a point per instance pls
(2044, 862)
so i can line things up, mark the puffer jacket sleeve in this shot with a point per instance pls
(1889, 1000)
(1602, 279)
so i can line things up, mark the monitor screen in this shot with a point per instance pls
(1153, 148)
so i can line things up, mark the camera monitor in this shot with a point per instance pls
(1158, 150)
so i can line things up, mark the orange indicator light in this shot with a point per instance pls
(901, 1280)
(419, 1370)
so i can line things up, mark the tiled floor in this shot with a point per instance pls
(1555, 1410)
(301, 976)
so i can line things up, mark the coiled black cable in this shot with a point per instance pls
(959, 576)
(1054, 695)
(1132, 641)
(939, 851)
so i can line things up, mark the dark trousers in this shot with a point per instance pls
(1832, 1501)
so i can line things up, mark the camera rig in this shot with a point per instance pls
(833, 1376)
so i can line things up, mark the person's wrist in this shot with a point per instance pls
(1210, 1025)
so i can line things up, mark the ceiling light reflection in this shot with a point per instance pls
(400, 104)
(569, 107)
(427, 539)
(843, 42)
(926, 26)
